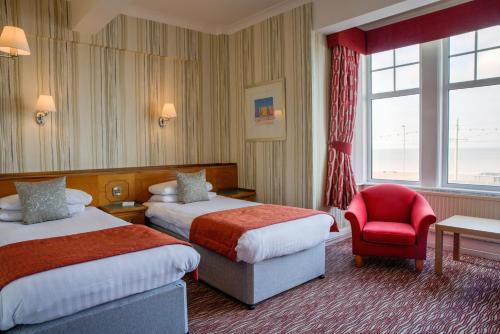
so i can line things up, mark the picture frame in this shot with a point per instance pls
(265, 116)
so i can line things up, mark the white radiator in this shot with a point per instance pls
(448, 204)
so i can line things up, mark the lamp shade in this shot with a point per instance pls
(45, 103)
(169, 111)
(13, 41)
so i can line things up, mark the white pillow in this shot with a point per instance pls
(173, 198)
(11, 202)
(73, 196)
(17, 215)
(76, 208)
(11, 216)
(169, 188)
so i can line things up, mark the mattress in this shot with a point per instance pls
(255, 245)
(63, 291)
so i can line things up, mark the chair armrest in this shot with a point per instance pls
(422, 215)
(356, 214)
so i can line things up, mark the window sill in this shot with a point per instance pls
(443, 190)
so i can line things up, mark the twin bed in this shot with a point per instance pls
(270, 259)
(143, 291)
(124, 287)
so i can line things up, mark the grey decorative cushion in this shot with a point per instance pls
(191, 187)
(43, 201)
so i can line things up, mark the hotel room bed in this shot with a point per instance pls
(270, 260)
(122, 293)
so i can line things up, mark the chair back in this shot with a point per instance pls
(389, 203)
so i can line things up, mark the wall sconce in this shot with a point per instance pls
(167, 114)
(13, 42)
(278, 113)
(44, 105)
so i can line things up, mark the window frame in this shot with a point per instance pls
(445, 128)
(394, 93)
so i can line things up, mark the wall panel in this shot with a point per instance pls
(279, 47)
(109, 89)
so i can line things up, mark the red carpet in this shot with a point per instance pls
(386, 296)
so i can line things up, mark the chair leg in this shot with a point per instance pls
(358, 261)
(419, 265)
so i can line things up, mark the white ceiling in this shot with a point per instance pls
(229, 16)
(212, 16)
(209, 12)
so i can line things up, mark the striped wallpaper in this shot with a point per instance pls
(280, 171)
(109, 89)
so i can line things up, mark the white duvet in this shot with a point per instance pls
(67, 290)
(255, 245)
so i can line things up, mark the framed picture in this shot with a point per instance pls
(265, 111)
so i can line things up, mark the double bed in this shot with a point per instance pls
(135, 292)
(269, 260)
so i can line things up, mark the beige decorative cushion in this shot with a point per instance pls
(43, 201)
(191, 187)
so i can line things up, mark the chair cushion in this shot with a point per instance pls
(389, 233)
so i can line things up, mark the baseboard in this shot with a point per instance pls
(343, 234)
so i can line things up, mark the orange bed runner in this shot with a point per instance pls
(220, 231)
(26, 258)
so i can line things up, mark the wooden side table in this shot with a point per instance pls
(132, 214)
(488, 228)
(239, 193)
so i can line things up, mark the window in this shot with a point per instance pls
(394, 119)
(472, 110)
(434, 113)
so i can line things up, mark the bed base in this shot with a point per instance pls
(162, 310)
(253, 283)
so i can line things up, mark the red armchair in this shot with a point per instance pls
(390, 220)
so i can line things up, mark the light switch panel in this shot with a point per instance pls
(116, 191)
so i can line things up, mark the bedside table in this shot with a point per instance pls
(239, 193)
(132, 214)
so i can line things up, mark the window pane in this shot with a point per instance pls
(407, 77)
(382, 59)
(396, 138)
(488, 64)
(462, 68)
(488, 38)
(408, 54)
(462, 43)
(474, 136)
(383, 81)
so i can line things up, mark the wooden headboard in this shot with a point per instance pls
(134, 182)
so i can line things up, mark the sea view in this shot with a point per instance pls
(474, 165)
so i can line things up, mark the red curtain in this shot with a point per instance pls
(340, 183)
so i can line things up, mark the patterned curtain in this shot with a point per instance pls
(340, 184)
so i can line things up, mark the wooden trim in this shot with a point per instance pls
(108, 171)
(134, 181)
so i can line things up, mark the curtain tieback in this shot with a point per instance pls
(340, 146)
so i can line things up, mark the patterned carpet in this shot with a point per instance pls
(386, 296)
